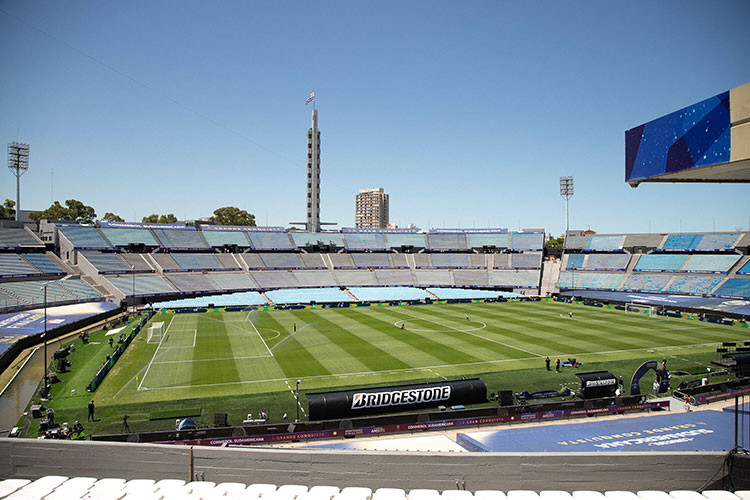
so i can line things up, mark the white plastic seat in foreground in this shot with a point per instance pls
(620, 495)
(323, 492)
(8, 486)
(142, 495)
(198, 487)
(389, 494)
(489, 495)
(587, 495)
(109, 487)
(521, 495)
(259, 490)
(686, 495)
(423, 494)
(719, 495)
(168, 486)
(231, 489)
(140, 485)
(289, 491)
(653, 495)
(744, 494)
(38, 488)
(354, 493)
(75, 487)
(555, 495)
(457, 495)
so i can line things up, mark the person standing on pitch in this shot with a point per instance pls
(547, 363)
(656, 388)
(557, 366)
(91, 411)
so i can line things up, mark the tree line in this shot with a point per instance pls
(77, 211)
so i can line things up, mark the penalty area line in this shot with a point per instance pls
(155, 353)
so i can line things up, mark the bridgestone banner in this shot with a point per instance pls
(374, 400)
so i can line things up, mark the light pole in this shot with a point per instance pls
(296, 396)
(18, 163)
(44, 339)
(566, 191)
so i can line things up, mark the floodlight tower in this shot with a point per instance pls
(566, 191)
(18, 163)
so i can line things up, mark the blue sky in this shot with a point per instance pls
(466, 113)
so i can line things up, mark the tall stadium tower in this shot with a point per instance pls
(313, 175)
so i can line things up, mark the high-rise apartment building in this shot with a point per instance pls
(371, 208)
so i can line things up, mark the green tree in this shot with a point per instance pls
(232, 216)
(110, 217)
(74, 211)
(7, 210)
(164, 219)
(555, 242)
(151, 218)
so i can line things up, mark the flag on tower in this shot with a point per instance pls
(310, 98)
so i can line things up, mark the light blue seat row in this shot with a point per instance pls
(355, 278)
(450, 259)
(394, 277)
(694, 285)
(122, 237)
(568, 280)
(745, 269)
(606, 243)
(193, 282)
(16, 237)
(659, 262)
(577, 242)
(462, 293)
(527, 260)
(222, 238)
(708, 263)
(43, 263)
(231, 299)
(262, 240)
(607, 281)
(526, 241)
(180, 239)
(364, 241)
(13, 265)
(682, 242)
(515, 279)
(84, 237)
(447, 241)
(341, 260)
(306, 295)
(274, 279)
(281, 260)
(302, 239)
(80, 289)
(371, 260)
(574, 260)
(398, 240)
(470, 278)
(646, 282)
(314, 279)
(144, 285)
(433, 278)
(497, 240)
(106, 262)
(385, 294)
(717, 241)
(614, 261)
(232, 281)
(32, 293)
(734, 287)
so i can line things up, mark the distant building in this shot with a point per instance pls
(371, 208)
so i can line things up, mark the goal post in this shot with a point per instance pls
(641, 309)
(155, 332)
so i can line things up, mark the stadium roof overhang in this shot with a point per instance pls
(735, 172)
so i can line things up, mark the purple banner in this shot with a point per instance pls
(711, 397)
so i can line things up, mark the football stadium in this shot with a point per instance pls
(193, 359)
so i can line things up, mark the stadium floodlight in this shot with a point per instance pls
(566, 191)
(18, 163)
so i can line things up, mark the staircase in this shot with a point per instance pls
(550, 277)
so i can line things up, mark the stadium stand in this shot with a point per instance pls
(315, 279)
(13, 266)
(693, 285)
(144, 285)
(106, 263)
(659, 262)
(501, 261)
(252, 260)
(528, 260)
(609, 243)
(231, 299)
(232, 281)
(192, 282)
(399, 240)
(274, 279)
(394, 277)
(355, 278)
(477, 260)
(217, 239)
(43, 263)
(31, 293)
(718, 242)
(470, 278)
(84, 237)
(364, 241)
(387, 294)
(568, 280)
(165, 262)
(180, 239)
(422, 260)
(307, 295)
(313, 261)
(452, 260)
(281, 260)
(447, 241)
(126, 236)
(681, 242)
(600, 281)
(734, 287)
(136, 261)
(18, 238)
(342, 261)
(399, 260)
(79, 289)
(647, 241)
(497, 240)
(577, 242)
(744, 269)
(526, 241)
(227, 262)
(303, 239)
(646, 282)
(515, 279)
(710, 263)
(574, 261)
(607, 262)
(433, 278)
(461, 293)
(371, 260)
(270, 240)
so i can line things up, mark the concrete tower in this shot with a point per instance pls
(313, 175)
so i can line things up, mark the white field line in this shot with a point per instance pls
(261, 338)
(422, 368)
(155, 352)
(195, 336)
(207, 360)
(477, 335)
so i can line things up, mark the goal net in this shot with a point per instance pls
(155, 332)
(641, 309)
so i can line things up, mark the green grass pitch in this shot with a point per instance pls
(251, 360)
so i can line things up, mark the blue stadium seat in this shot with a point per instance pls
(682, 242)
(84, 237)
(386, 294)
(574, 260)
(43, 263)
(364, 241)
(263, 240)
(180, 239)
(693, 285)
(222, 238)
(527, 241)
(307, 295)
(398, 240)
(710, 263)
(734, 287)
(646, 282)
(305, 239)
(613, 262)
(497, 240)
(659, 262)
(122, 237)
(447, 241)
(606, 243)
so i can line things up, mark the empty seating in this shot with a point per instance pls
(659, 262)
(12, 265)
(744, 269)
(43, 263)
(180, 239)
(274, 279)
(226, 238)
(106, 262)
(232, 281)
(501, 261)
(568, 280)
(80, 289)
(422, 260)
(515, 279)
(734, 287)
(315, 278)
(463, 293)
(371, 260)
(342, 261)
(605, 262)
(577, 242)
(399, 260)
(144, 285)
(717, 242)
(708, 263)
(694, 285)
(682, 242)
(270, 240)
(304, 239)
(313, 261)
(497, 240)
(528, 260)
(646, 282)
(192, 282)
(123, 237)
(227, 261)
(223, 300)
(433, 278)
(643, 240)
(364, 241)
(527, 241)
(606, 243)
(608, 281)
(301, 296)
(392, 277)
(136, 261)
(84, 237)
(281, 260)
(477, 260)
(17, 238)
(470, 278)
(252, 260)
(447, 241)
(355, 278)
(32, 292)
(398, 240)
(450, 260)
(574, 261)
(165, 261)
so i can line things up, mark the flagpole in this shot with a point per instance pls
(314, 105)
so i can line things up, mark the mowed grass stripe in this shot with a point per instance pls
(211, 343)
(402, 344)
(375, 359)
(167, 375)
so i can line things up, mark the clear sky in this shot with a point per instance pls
(466, 113)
